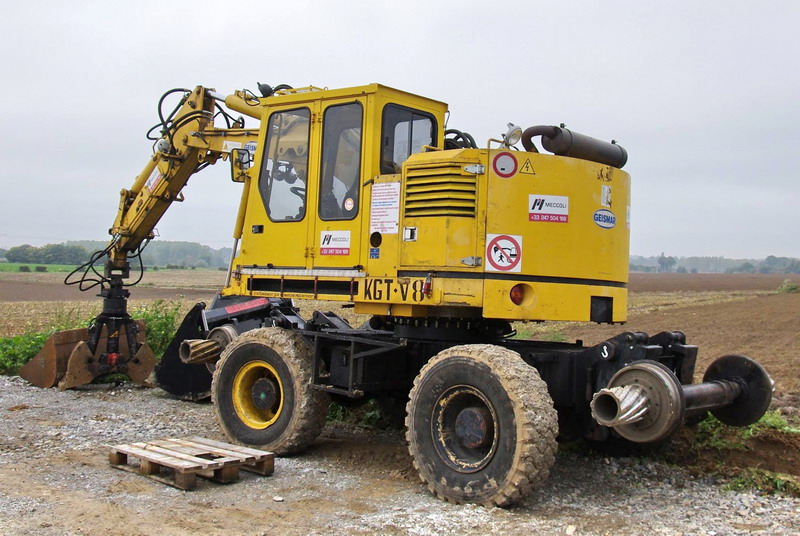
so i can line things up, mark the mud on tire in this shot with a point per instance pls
(481, 426)
(262, 391)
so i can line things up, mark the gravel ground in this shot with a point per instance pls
(55, 480)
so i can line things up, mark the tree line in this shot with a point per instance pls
(48, 254)
(664, 263)
(157, 253)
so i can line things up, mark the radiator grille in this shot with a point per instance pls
(440, 190)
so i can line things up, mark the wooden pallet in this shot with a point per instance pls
(183, 460)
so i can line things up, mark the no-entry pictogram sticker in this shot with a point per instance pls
(505, 164)
(503, 253)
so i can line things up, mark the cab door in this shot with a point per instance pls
(338, 195)
(283, 185)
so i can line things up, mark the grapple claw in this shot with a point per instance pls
(142, 364)
(81, 367)
(67, 361)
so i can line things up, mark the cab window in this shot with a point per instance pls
(340, 172)
(405, 131)
(284, 168)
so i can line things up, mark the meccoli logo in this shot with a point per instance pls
(605, 218)
(541, 204)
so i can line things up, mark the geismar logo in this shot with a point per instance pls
(605, 218)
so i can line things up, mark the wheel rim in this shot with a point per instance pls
(464, 429)
(258, 394)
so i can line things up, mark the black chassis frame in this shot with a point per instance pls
(367, 362)
(383, 357)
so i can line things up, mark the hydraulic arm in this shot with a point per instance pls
(186, 142)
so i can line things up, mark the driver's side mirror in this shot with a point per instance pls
(240, 163)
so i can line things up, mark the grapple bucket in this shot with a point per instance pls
(65, 360)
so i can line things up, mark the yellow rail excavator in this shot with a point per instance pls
(362, 195)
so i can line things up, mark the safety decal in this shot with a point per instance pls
(250, 147)
(334, 243)
(605, 218)
(384, 216)
(228, 146)
(503, 253)
(550, 208)
(153, 180)
(504, 164)
(349, 204)
(527, 168)
(605, 195)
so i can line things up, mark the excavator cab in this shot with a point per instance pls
(360, 195)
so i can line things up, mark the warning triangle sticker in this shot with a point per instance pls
(527, 168)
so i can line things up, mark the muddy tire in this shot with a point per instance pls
(481, 427)
(262, 392)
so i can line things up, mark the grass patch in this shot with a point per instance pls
(741, 457)
(371, 413)
(711, 433)
(765, 482)
(554, 336)
(541, 331)
(30, 267)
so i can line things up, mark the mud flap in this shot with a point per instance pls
(188, 382)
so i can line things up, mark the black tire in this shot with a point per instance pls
(262, 392)
(508, 453)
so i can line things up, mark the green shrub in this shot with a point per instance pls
(370, 413)
(787, 287)
(18, 350)
(338, 413)
(41, 268)
(161, 320)
(24, 268)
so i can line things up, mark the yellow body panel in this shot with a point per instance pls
(448, 235)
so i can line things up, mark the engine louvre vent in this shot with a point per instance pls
(440, 190)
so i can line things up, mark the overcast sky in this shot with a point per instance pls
(703, 95)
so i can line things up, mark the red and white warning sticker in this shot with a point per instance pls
(503, 253)
(552, 208)
(505, 164)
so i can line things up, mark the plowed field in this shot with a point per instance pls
(765, 327)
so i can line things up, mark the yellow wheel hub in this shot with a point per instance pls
(258, 394)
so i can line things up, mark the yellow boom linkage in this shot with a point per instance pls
(189, 142)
